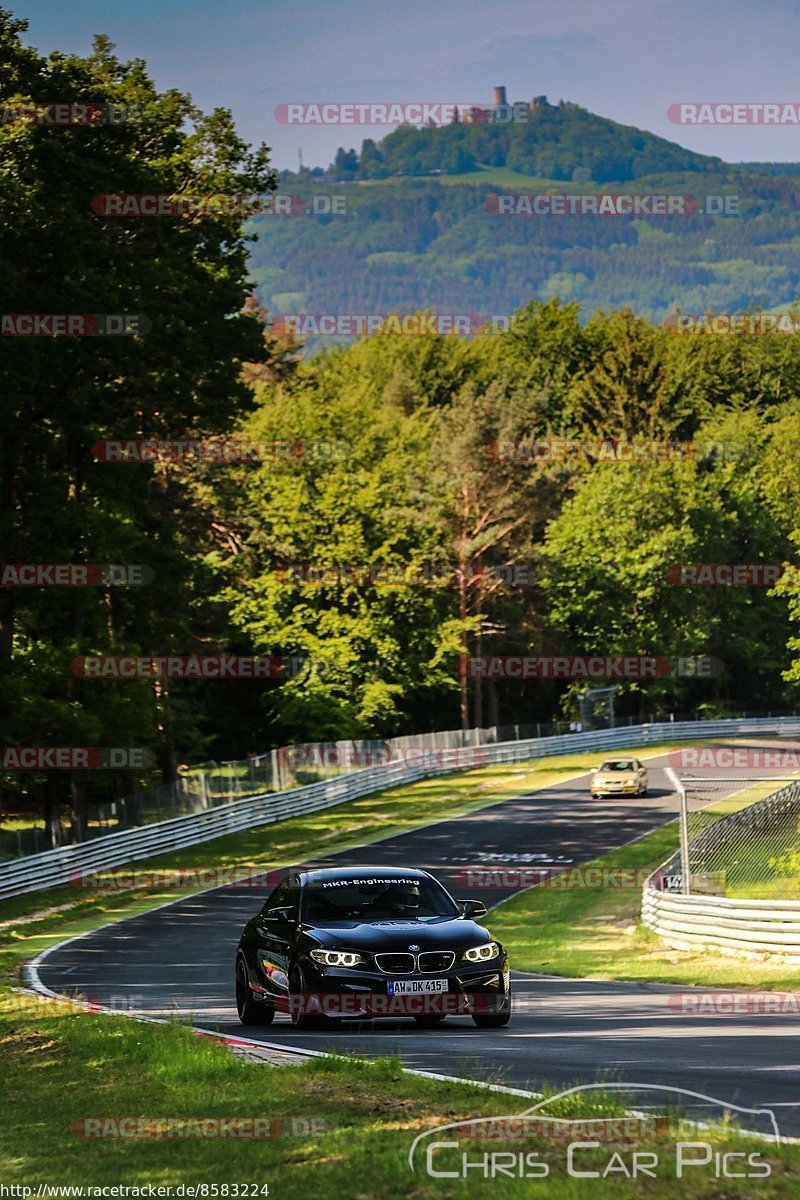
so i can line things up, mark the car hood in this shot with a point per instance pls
(448, 933)
(614, 776)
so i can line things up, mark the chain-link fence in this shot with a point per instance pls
(742, 838)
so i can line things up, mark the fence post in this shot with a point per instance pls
(684, 821)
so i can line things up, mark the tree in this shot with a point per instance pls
(188, 276)
(351, 500)
(609, 589)
(487, 509)
(627, 389)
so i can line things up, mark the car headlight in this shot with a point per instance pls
(482, 953)
(630, 781)
(337, 958)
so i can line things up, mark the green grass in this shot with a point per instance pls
(748, 874)
(339, 1129)
(506, 177)
(746, 861)
(496, 176)
(597, 933)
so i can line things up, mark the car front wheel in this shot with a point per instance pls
(496, 1021)
(298, 993)
(250, 1013)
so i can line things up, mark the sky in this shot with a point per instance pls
(624, 59)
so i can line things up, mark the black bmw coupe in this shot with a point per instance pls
(365, 942)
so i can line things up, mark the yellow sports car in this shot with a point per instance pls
(619, 777)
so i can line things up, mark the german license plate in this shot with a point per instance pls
(416, 987)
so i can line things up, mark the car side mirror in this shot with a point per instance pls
(471, 908)
(284, 915)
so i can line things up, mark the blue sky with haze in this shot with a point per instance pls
(625, 59)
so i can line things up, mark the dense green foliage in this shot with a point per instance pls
(417, 484)
(408, 480)
(62, 394)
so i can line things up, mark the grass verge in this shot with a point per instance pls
(337, 1129)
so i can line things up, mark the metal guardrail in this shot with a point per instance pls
(722, 922)
(213, 784)
(70, 863)
(757, 926)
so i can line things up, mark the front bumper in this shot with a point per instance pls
(615, 789)
(363, 992)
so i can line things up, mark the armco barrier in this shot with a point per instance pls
(754, 926)
(735, 925)
(55, 867)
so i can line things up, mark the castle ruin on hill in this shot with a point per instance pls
(500, 111)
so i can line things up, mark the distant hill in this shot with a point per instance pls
(563, 142)
(432, 237)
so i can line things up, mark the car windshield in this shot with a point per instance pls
(617, 764)
(371, 899)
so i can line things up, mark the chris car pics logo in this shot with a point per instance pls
(674, 1138)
